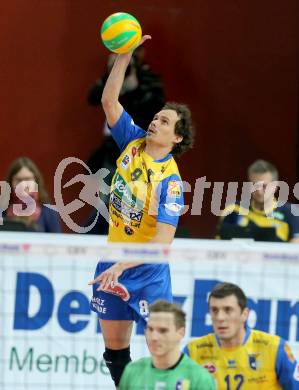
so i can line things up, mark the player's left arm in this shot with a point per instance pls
(286, 367)
(164, 234)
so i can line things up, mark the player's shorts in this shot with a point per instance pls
(137, 288)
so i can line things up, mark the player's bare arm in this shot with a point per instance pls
(111, 105)
(164, 234)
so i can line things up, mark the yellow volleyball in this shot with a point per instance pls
(121, 32)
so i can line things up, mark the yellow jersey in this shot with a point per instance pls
(144, 191)
(263, 362)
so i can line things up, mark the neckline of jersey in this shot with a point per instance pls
(169, 368)
(246, 337)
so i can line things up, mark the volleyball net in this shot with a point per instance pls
(51, 340)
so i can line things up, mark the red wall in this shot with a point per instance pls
(234, 62)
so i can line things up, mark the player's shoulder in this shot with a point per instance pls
(135, 146)
(207, 341)
(235, 208)
(172, 167)
(141, 363)
(263, 338)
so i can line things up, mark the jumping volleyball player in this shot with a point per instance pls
(146, 171)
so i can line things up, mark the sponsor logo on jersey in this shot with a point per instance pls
(289, 353)
(260, 341)
(205, 345)
(115, 223)
(150, 173)
(210, 367)
(122, 190)
(252, 362)
(126, 211)
(231, 364)
(134, 151)
(182, 384)
(174, 189)
(125, 162)
(136, 174)
(129, 231)
(118, 289)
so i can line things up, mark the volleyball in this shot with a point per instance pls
(121, 32)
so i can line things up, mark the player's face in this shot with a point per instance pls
(162, 335)
(161, 129)
(266, 188)
(228, 320)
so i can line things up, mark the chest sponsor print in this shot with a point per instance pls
(130, 213)
(123, 191)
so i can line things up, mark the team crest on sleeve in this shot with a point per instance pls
(174, 189)
(182, 384)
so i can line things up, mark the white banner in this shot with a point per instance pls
(50, 338)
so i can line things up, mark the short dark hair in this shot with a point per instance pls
(223, 290)
(183, 127)
(168, 307)
(263, 166)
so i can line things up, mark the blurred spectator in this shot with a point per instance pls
(28, 196)
(265, 219)
(142, 96)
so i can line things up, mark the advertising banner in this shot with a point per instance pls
(51, 340)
